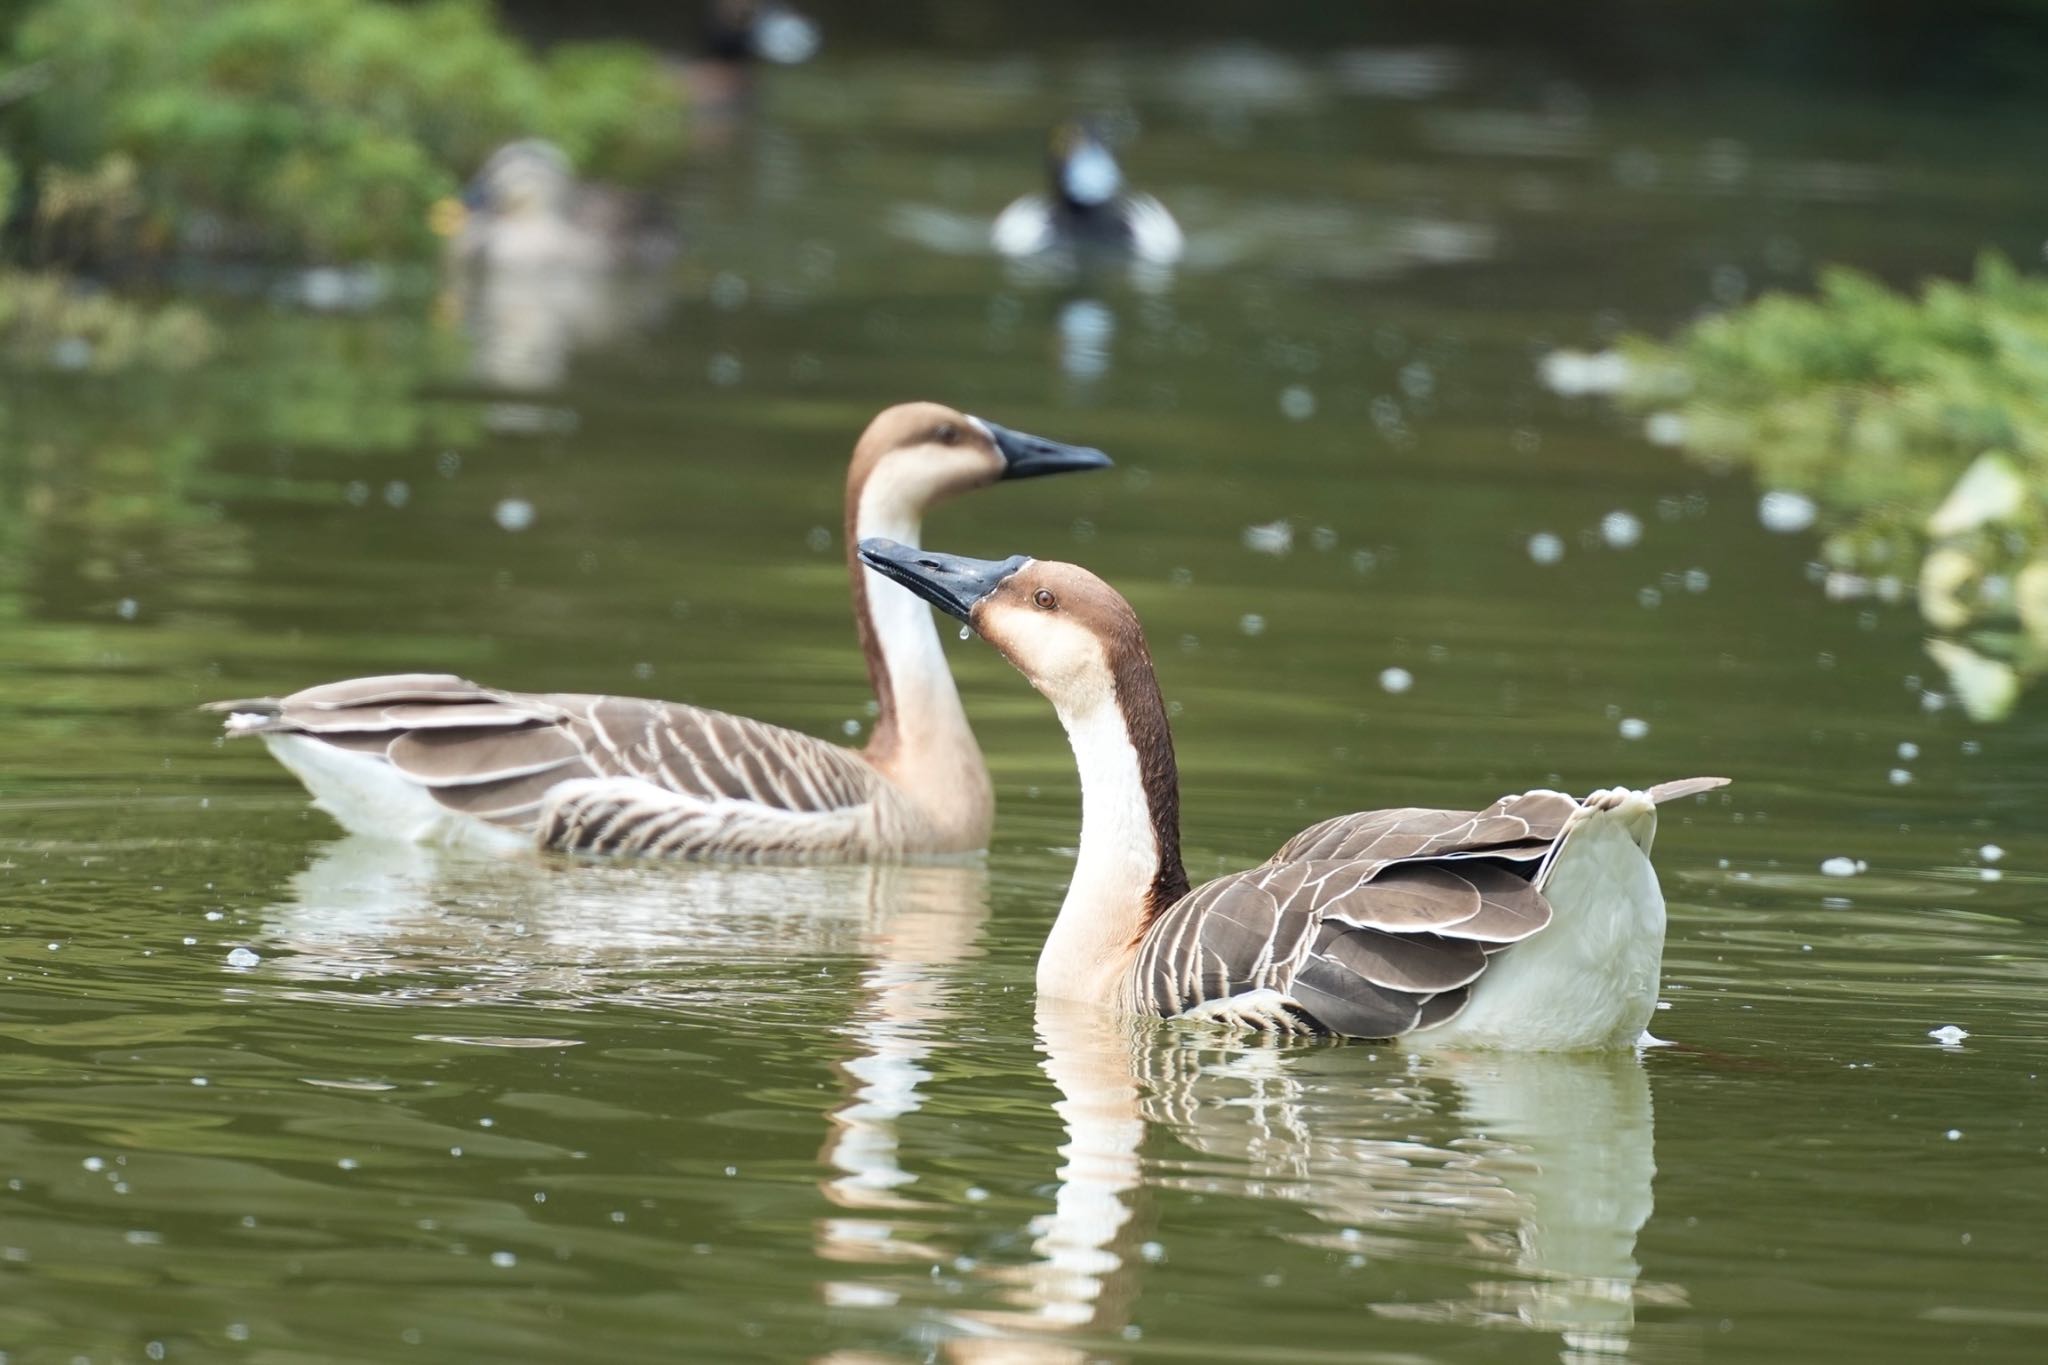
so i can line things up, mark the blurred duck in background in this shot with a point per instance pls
(535, 258)
(1089, 209)
(738, 36)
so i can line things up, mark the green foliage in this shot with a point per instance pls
(1873, 403)
(49, 321)
(1863, 395)
(320, 129)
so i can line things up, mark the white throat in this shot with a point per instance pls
(909, 641)
(1093, 941)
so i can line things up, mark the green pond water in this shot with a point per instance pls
(464, 1110)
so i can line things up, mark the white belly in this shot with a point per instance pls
(369, 796)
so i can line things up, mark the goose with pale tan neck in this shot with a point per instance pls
(432, 758)
(1536, 923)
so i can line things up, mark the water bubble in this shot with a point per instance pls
(724, 369)
(1908, 750)
(1842, 867)
(397, 493)
(1991, 853)
(966, 632)
(448, 463)
(1621, 530)
(127, 609)
(93, 1163)
(1632, 727)
(513, 514)
(1649, 597)
(818, 539)
(1251, 623)
(504, 1260)
(1152, 1252)
(728, 291)
(849, 728)
(1785, 512)
(1899, 777)
(1417, 380)
(1269, 538)
(1323, 538)
(1665, 429)
(243, 957)
(1574, 374)
(1396, 680)
(1696, 580)
(1297, 403)
(1954, 1134)
(356, 492)
(1546, 548)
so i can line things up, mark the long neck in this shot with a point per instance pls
(920, 739)
(1129, 869)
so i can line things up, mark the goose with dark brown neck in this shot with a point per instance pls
(1536, 923)
(429, 757)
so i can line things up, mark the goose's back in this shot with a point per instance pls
(1371, 925)
(602, 774)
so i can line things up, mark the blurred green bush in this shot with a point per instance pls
(308, 130)
(1918, 426)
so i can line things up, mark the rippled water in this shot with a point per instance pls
(460, 1110)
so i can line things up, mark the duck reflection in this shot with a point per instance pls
(542, 265)
(444, 928)
(1536, 1171)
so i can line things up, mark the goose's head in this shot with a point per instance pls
(917, 454)
(1084, 173)
(1072, 635)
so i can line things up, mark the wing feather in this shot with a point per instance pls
(499, 755)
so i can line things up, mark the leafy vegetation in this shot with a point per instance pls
(49, 321)
(300, 129)
(1877, 405)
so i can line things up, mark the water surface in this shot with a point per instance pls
(460, 1110)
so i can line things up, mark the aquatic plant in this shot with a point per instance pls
(49, 321)
(314, 129)
(1917, 426)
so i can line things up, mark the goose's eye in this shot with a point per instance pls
(947, 434)
(1045, 599)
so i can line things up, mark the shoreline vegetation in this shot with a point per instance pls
(1914, 425)
(139, 137)
(297, 131)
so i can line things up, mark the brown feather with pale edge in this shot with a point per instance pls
(1371, 925)
(495, 754)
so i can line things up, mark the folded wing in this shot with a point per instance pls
(508, 758)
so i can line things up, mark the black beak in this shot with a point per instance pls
(1027, 457)
(952, 583)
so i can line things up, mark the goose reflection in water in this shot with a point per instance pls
(450, 929)
(1536, 1175)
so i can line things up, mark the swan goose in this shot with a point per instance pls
(1089, 207)
(433, 758)
(1536, 923)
